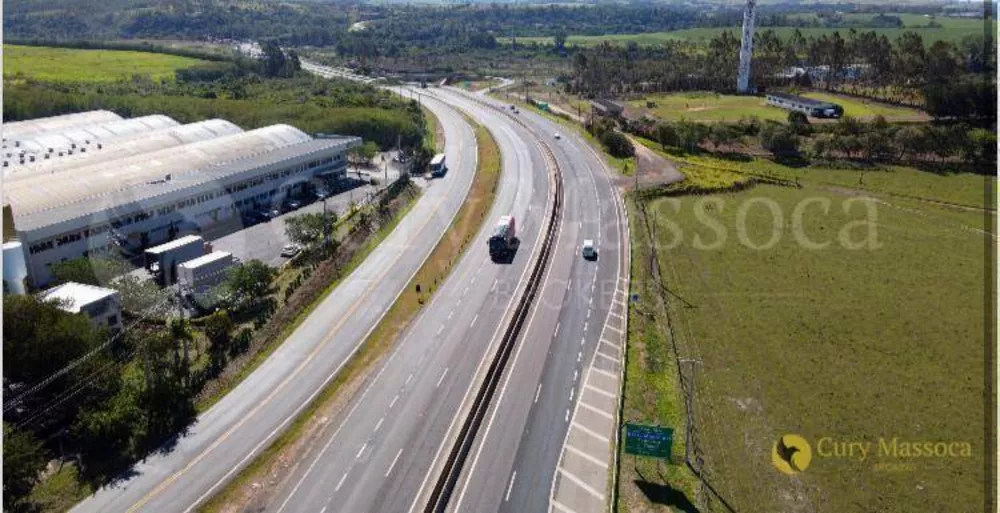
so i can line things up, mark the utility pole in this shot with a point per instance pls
(689, 397)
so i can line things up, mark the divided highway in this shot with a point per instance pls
(381, 454)
(515, 460)
(226, 437)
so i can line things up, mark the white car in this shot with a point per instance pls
(558, 136)
(589, 252)
(290, 250)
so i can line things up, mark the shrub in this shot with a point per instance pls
(617, 144)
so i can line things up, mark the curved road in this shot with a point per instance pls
(227, 436)
(379, 455)
(517, 453)
(385, 453)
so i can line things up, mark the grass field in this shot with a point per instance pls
(965, 189)
(704, 106)
(65, 65)
(952, 29)
(853, 344)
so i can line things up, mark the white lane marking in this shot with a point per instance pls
(361, 450)
(466, 291)
(393, 464)
(579, 356)
(473, 323)
(494, 287)
(341, 482)
(443, 374)
(596, 410)
(572, 392)
(450, 314)
(554, 335)
(584, 455)
(579, 482)
(537, 393)
(379, 425)
(408, 379)
(594, 434)
(510, 486)
(583, 341)
(586, 324)
(569, 284)
(576, 374)
(613, 359)
(473, 280)
(323, 510)
(567, 415)
(561, 507)
(606, 373)
(440, 329)
(599, 391)
(589, 311)
(591, 300)
(393, 403)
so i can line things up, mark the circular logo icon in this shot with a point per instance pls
(791, 454)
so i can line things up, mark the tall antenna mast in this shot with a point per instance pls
(746, 49)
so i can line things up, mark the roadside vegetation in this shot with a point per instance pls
(271, 466)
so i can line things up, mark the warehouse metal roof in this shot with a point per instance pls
(40, 192)
(127, 146)
(17, 129)
(214, 256)
(174, 244)
(78, 139)
(132, 194)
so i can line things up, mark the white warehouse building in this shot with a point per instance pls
(141, 189)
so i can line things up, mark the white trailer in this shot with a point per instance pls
(163, 260)
(205, 271)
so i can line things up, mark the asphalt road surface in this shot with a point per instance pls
(379, 455)
(230, 434)
(514, 459)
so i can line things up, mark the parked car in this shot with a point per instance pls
(290, 250)
(294, 204)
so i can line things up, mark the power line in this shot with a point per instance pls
(80, 360)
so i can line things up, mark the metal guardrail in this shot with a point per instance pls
(443, 489)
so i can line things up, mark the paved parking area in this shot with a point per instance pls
(583, 478)
(264, 241)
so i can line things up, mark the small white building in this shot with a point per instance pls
(103, 306)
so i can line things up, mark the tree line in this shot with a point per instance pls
(947, 79)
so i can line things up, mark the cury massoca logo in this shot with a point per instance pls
(792, 454)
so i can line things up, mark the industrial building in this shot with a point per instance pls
(807, 106)
(103, 306)
(144, 188)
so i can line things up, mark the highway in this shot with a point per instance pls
(384, 454)
(379, 456)
(514, 461)
(230, 434)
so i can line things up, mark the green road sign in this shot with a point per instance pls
(653, 441)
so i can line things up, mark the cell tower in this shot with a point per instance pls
(746, 49)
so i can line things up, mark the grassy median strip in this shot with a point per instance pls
(429, 277)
